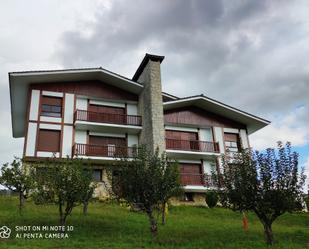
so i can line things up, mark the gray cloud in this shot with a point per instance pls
(246, 53)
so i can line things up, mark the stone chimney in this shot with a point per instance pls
(150, 102)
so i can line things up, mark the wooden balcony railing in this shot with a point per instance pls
(196, 179)
(110, 118)
(191, 145)
(103, 150)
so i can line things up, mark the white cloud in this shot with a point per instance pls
(283, 128)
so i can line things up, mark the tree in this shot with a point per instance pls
(170, 183)
(63, 183)
(267, 183)
(147, 181)
(16, 178)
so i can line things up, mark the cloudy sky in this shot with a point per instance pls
(249, 54)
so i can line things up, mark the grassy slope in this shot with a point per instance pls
(111, 226)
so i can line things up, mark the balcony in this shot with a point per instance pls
(107, 122)
(102, 151)
(195, 148)
(196, 181)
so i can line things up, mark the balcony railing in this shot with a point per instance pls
(110, 118)
(196, 179)
(192, 145)
(103, 150)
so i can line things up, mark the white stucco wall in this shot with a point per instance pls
(50, 119)
(179, 128)
(132, 140)
(131, 109)
(31, 139)
(52, 94)
(69, 108)
(50, 126)
(80, 137)
(107, 103)
(81, 104)
(67, 140)
(47, 154)
(244, 138)
(218, 132)
(34, 105)
(209, 166)
(205, 134)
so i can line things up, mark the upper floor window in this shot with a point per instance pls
(232, 142)
(51, 106)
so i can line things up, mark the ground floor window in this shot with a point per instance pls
(189, 197)
(97, 175)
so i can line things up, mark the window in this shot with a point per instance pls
(97, 175)
(231, 141)
(51, 107)
(49, 140)
(189, 197)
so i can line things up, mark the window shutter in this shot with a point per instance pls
(49, 140)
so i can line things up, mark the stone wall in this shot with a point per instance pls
(151, 107)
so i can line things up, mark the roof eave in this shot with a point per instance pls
(252, 122)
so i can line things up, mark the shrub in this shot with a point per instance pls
(211, 198)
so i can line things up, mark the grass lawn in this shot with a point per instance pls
(112, 226)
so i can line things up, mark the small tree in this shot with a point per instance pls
(16, 178)
(268, 183)
(63, 183)
(147, 181)
(170, 183)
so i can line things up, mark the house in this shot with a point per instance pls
(100, 115)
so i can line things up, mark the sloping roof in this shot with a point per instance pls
(252, 122)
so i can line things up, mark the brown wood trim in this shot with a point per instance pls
(198, 117)
(93, 88)
(62, 126)
(73, 129)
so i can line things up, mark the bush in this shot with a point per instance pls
(211, 198)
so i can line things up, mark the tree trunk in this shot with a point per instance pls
(62, 216)
(269, 237)
(85, 208)
(62, 220)
(21, 201)
(153, 223)
(163, 213)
